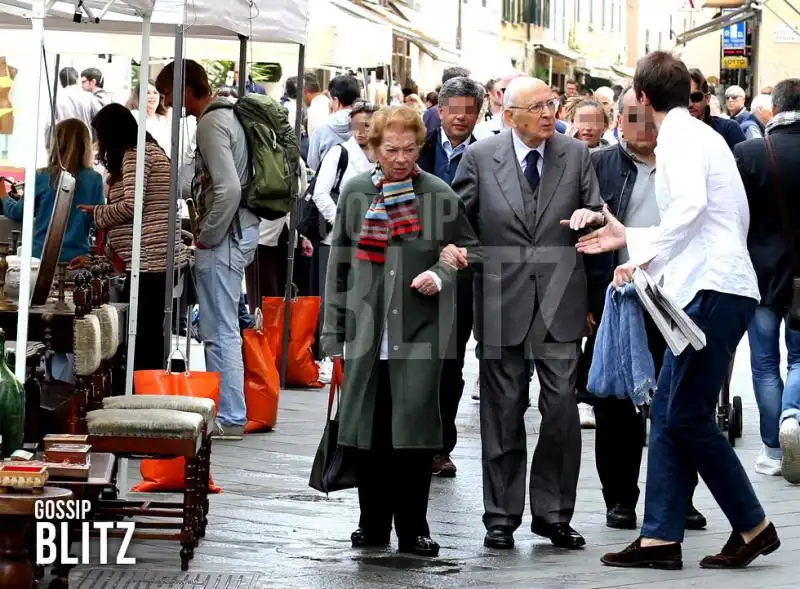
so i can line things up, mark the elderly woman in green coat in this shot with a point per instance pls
(389, 312)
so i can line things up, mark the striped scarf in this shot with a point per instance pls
(393, 212)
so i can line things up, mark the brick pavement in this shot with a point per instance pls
(267, 523)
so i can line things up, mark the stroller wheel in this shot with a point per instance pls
(739, 413)
(733, 425)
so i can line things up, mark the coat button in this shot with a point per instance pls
(391, 272)
(395, 348)
(395, 311)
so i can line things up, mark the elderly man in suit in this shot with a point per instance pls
(529, 192)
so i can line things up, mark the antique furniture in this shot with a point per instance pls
(154, 433)
(17, 512)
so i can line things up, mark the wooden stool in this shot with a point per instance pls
(153, 433)
(206, 409)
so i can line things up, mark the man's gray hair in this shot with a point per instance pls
(622, 94)
(461, 86)
(786, 95)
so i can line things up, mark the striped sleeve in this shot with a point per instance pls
(120, 211)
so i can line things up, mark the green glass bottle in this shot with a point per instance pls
(12, 405)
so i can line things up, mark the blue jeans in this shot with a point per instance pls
(684, 437)
(219, 272)
(775, 401)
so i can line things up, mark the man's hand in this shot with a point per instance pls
(608, 238)
(425, 284)
(581, 218)
(624, 274)
(454, 256)
(306, 248)
(78, 263)
(88, 209)
(590, 323)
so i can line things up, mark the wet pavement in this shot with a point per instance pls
(269, 529)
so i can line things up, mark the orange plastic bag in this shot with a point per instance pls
(301, 370)
(262, 384)
(167, 474)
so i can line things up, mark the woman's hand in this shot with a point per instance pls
(425, 284)
(87, 209)
(306, 248)
(454, 256)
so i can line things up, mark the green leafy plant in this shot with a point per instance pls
(542, 73)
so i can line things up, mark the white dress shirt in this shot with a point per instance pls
(521, 150)
(701, 242)
(448, 147)
(488, 128)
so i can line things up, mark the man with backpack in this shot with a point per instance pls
(227, 236)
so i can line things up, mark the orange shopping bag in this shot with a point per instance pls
(301, 370)
(262, 385)
(167, 474)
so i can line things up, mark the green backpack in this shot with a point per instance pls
(273, 156)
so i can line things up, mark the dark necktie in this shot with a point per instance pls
(531, 170)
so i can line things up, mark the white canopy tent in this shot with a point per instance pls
(282, 21)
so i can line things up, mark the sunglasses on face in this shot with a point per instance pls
(697, 96)
(732, 97)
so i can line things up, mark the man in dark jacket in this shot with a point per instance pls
(460, 102)
(699, 109)
(770, 252)
(626, 175)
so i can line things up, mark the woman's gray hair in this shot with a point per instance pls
(461, 86)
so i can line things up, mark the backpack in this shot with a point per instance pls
(313, 225)
(273, 155)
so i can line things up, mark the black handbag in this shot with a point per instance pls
(793, 317)
(331, 471)
(312, 225)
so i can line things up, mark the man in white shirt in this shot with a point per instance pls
(319, 107)
(699, 250)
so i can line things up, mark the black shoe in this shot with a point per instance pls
(421, 546)
(363, 539)
(443, 466)
(737, 555)
(667, 557)
(499, 538)
(560, 534)
(621, 518)
(694, 519)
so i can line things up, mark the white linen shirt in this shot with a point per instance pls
(521, 151)
(701, 242)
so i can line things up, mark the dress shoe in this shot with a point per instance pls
(560, 534)
(621, 518)
(364, 539)
(694, 519)
(737, 555)
(421, 546)
(499, 538)
(443, 466)
(667, 557)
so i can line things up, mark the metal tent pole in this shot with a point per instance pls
(242, 65)
(287, 296)
(29, 196)
(174, 188)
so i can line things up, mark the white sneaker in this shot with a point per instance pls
(766, 465)
(476, 389)
(325, 370)
(790, 444)
(586, 413)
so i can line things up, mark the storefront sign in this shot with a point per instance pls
(733, 36)
(783, 33)
(734, 63)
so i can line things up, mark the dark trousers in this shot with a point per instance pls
(149, 353)
(391, 483)
(319, 272)
(684, 437)
(266, 276)
(451, 381)
(620, 433)
(504, 398)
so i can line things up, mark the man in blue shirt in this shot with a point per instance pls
(460, 102)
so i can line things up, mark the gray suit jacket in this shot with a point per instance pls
(526, 269)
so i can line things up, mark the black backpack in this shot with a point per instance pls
(313, 225)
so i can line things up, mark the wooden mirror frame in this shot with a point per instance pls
(54, 239)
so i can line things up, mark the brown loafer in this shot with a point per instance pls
(667, 557)
(737, 555)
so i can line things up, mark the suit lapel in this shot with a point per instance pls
(506, 172)
(552, 170)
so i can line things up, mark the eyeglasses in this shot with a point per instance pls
(697, 96)
(538, 107)
(732, 97)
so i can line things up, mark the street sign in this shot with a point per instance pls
(734, 63)
(733, 36)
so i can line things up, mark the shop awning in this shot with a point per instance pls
(557, 50)
(331, 26)
(716, 24)
(623, 70)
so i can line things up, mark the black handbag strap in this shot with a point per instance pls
(780, 196)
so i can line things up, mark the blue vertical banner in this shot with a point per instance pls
(733, 36)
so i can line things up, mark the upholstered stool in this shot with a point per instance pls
(206, 409)
(153, 433)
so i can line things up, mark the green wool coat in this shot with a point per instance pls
(362, 297)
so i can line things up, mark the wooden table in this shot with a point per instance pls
(16, 515)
